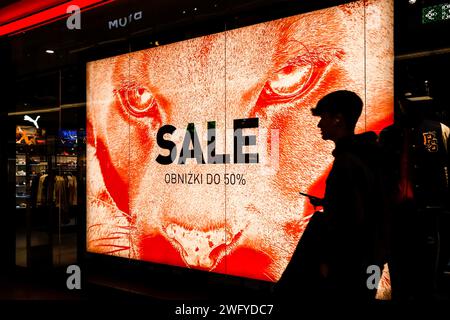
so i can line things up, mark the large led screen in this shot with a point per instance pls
(197, 150)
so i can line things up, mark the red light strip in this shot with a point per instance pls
(47, 16)
(22, 8)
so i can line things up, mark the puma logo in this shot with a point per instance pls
(28, 118)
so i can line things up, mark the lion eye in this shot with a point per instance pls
(136, 100)
(298, 76)
(291, 80)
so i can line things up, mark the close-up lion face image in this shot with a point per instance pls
(230, 114)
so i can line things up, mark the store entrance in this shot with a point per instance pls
(47, 168)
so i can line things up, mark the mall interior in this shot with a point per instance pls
(76, 168)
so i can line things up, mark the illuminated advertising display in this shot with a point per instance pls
(30, 135)
(196, 150)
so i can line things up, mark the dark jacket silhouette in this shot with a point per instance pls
(355, 206)
(416, 161)
(339, 244)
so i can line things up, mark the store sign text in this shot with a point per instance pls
(240, 141)
(125, 21)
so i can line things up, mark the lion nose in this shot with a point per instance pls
(197, 245)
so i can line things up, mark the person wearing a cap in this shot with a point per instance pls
(353, 244)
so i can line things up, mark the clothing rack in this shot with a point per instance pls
(49, 188)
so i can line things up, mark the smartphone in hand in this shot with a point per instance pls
(315, 201)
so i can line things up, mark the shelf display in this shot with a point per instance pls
(28, 166)
(21, 183)
(46, 173)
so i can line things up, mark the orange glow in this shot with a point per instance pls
(275, 72)
(29, 14)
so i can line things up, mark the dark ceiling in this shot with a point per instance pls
(37, 74)
(172, 20)
(166, 21)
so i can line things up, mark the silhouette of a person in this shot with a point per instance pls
(340, 243)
